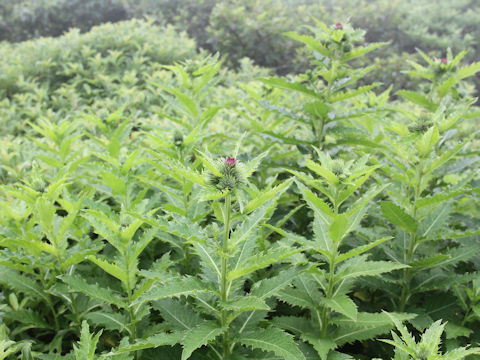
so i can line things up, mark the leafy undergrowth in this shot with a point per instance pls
(154, 205)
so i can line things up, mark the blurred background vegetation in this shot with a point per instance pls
(254, 28)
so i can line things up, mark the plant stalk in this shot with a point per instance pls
(224, 284)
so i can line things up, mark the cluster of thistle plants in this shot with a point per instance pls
(238, 216)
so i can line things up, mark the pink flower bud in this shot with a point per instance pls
(230, 161)
(443, 60)
(339, 25)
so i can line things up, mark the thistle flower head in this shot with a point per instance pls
(230, 161)
(444, 60)
(229, 175)
(422, 125)
(339, 25)
(178, 138)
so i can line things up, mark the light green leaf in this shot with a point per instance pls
(418, 99)
(199, 336)
(398, 216)
(261, 261)
(272, 340)
(338, 227)
(175, 288)
(78, 284)
(343, 305)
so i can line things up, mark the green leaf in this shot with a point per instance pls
(272, 340)
(28, 317)
(343, 305)
(199, 336)
(360, 250)
(312, 43)
(360, 51)
(316, 204)
(244, 230)
(418, 99)
(322, 171)
(109, 320)
(285, 85)
(22, 283)
(261, 261)
(338, 228)
(428, 140)
(247, 303)
(349, 94)
(367, 268)
(434, 221)
(85, 350)
(266, 288)
(468, 71)
(174, 288)
(432, 337)
(153, 341)
(179, 316)
(267, 195)
(112, 269)
(78, 284)
(398, 216)
(253, 164)
(366, 326)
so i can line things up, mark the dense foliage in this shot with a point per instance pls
(155, 205)
(254, 28)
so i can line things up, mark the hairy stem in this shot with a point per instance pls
(407, 273)
(224, 284)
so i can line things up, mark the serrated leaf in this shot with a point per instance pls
(285, 85)
(178, 315)
(267, 195)
(266, 288)
(272, 340)
(343, 305)
(311, 42)
(109, 320)
(28, 317)
(368, 268)
(153, 341)
(261, 261)
(199, 336)
(111, 269)
(87, 345)
(338, 228)
(247, 303)
(78, 284)
(418, 99)
(398, 216)
(21, 283)
(174, 288)
(360, 250)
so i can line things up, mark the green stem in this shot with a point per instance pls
(407, 273)
(331, 276)
(224, 283)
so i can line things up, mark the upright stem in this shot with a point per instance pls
(407, 274)
(331, 276)
(224, 284)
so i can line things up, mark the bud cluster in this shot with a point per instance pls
(422, 125)
(339, 39)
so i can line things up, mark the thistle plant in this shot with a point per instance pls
(327, 95)
(429, 346)
(424, 198)
(334, 316)
(219, 318)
